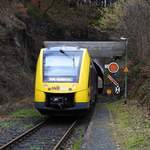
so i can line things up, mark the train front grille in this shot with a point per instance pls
(59, 100)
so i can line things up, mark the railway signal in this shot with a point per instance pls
(112, 80)
(109, 91)
(126, 70)
(112, 67)
(117, 89)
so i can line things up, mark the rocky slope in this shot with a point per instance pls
(15, 74)
(24, 26)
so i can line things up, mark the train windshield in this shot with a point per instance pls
(62, 66)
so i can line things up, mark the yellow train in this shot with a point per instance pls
(66, 80)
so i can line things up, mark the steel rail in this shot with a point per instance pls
(64, 137)
(22, 135)
(57, 146)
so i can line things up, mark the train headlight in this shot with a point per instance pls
(74, 86)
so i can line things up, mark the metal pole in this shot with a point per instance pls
(105, 3)
(126, 74)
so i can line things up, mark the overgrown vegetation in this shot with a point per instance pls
(130, 127)
(6, 123)
(22, 113)
(131, 19)
(14, 117)
(78, 142)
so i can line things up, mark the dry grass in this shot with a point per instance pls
(130, 127)
(12, 106)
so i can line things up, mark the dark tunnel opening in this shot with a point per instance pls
(100, 77)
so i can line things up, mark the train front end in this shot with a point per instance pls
(62, 80)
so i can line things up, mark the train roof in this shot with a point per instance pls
(65, 48)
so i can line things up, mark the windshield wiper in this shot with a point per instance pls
(73, 60)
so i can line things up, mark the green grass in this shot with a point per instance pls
(130, 128)
(35, 148)
(25, 113)
(13, 122)
(6, 124)
(28, 126)
(78, 141)
(77, 144)
(22, 113)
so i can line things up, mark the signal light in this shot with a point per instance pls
(109, 91)
(113, 67)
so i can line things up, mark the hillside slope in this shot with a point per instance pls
(23, 28)
(15, 74)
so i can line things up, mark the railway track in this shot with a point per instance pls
(13, 144)
(64, 137)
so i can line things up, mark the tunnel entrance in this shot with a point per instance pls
(100, 73)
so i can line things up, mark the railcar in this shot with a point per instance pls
(66, 80)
